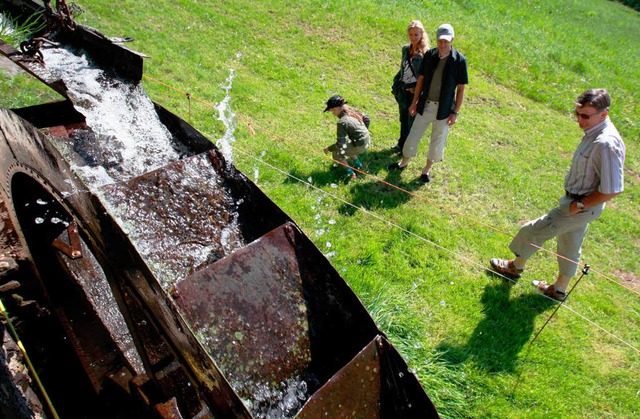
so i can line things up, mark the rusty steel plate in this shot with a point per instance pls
(250, 313)
(180, 217)
(354, 392)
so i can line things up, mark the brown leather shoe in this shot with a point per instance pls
(506, 268)
(550, 290)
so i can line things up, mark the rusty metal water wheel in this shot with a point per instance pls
(72, 338)
(87, 312)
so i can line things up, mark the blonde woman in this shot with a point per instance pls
(406, 78)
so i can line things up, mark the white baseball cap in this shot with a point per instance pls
(445, 31)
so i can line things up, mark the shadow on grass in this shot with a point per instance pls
(374, 194)
(507, 327)
(375, 161)
(367, 192)
(333, 175)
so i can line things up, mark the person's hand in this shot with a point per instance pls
(326, 150)
(412, 109)
(452, 119)
(573, 208)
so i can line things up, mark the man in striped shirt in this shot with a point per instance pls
(596, 175)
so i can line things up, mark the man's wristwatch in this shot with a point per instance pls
(579, 205)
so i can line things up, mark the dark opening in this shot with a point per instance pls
(60, 324)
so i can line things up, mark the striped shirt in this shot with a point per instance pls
(598, 162)
(407, 74)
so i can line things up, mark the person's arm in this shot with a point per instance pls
(591, 200)
(456, 108)
(416, 95)
(341, 138)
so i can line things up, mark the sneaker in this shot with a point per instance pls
(350, 175)
(506, 268)
(550, 290)
(424, 178)
(395, 166)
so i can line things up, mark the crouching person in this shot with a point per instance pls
(352, 136)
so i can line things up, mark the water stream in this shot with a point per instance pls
(127, 140)
(132, 140)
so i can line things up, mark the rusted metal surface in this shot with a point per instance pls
(250, 311)
(288, 305)
(10, 247)
(36, 69)
(353, 392)
(30, 163)
(403, 396)
(186, 215)
(169, 410)
(122, 61)
(54, 115)
(72, 249)
(180, 217)
(270, 312)
(375, 384)
(17, 399)
(99, 300)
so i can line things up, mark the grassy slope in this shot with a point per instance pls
(466, 333)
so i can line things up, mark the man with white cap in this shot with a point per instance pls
(437, 100)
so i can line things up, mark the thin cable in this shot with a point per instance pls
(585, 271)
(525, 359)
(601, 328)
(251, 129)
(251, 125)
(422, 198)
(372, 214)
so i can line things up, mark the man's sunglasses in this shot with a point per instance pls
(584, 115)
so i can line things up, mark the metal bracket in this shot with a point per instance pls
(73, 249)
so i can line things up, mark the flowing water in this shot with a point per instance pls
(132, 140)
(127, 140)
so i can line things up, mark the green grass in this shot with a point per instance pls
(20, 90)
(418, 260)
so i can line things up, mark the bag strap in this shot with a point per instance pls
(410, 66)
(408, 62)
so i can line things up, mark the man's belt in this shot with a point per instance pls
(575, 196)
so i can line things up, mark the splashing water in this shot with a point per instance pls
(126, 139)
(278, 402)
(120, 113)
(227, 117)
(129, 141)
